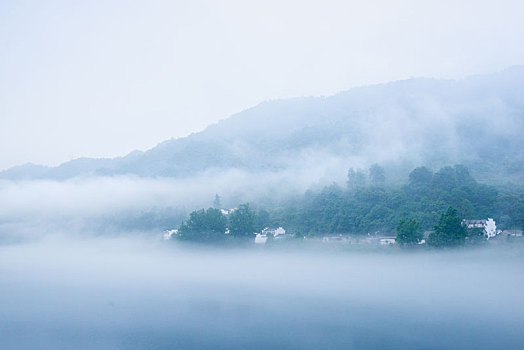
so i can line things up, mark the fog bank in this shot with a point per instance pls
(122, 203)
(146, 294)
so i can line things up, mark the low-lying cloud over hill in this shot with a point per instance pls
(477, 121)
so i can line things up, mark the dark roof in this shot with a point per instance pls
(473, 222)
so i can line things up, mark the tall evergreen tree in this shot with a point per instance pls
(216, 202)
(449, 231)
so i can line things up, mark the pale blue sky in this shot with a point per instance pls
(102, 78)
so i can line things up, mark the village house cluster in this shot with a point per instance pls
(488, 227)
(277, 233)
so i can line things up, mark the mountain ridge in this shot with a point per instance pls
(423, 121)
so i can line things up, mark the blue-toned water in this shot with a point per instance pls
(139, 294)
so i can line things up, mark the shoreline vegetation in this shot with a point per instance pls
(430, 210)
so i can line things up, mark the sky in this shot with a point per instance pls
(103, 78)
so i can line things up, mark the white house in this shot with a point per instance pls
(387, 240)
(260, 238)
(169, 233)
(274, 232)
(489, 226)
(277, 233)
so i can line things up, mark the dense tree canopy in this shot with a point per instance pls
(408, 232)
(242, 222)
(203, 225)
(362, 209)
(420, 177)
(449, 231)
(372, 209)
(511, 209)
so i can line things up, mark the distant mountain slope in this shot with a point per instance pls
(478, 121)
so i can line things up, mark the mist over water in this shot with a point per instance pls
(325, 128)
(104, 205)
(142, 293)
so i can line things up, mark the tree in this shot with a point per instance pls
(356, 179)
(463, 177)
(408, 232)
(377, 175)
(420, 177)
(262, 219)
(510, 209)
(242, 222)
(216, 202)
(445, 179)
(203, 226)
(449, 231)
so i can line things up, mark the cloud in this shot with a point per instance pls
(104, 204)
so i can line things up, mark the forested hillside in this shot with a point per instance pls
(477, 121)
(362, 208)
(366, 206)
